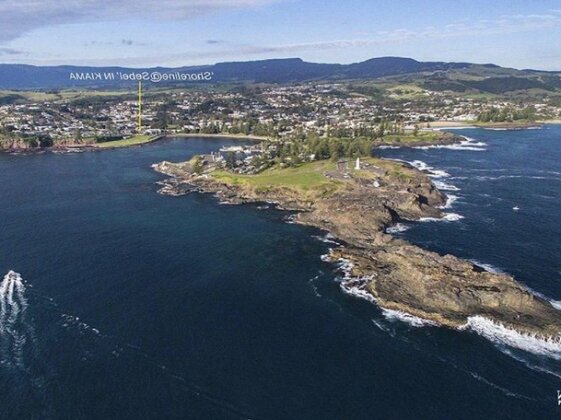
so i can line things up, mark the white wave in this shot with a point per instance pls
(452, 217)
(327, 239)
(450, 200)
(448, 217)
(467, 144)
(290, 219)
(528, 363)
(397, 228)
(438, 173)
(487, 267)
(384, 146)
(512, 128)
(430, 170)
(355, 287)
(502, 335)
(444, 186)
(555, 303)
(414, 321)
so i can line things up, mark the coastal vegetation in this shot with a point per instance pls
(131, 141)
(507, 114)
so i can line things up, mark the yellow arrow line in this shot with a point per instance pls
(139, 106)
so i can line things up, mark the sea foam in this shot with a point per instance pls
(414, 321)
(397, 228)
(469, 144)
(501, 335)
(448, 217)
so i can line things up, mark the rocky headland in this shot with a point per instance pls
(357, 206)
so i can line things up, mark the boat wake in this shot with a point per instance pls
(17, 335)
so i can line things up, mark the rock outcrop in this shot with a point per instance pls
(394, 273)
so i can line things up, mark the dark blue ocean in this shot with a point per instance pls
(135, 305)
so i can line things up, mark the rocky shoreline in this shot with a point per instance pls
(397, 275)
(445, 139)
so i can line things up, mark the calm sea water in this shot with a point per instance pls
(136, 305)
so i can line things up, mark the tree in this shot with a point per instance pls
(230, 160)
(198, 165)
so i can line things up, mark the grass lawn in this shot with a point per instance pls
(306, 177)
(131, 141)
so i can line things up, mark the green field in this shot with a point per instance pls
(131, 141)
(306, 177)
(310, 178)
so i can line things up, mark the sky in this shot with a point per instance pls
(139, 33)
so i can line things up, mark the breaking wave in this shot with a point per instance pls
(502, 335)
(397, 228)
(430, 170)
(414, 321)
(327, 239)
(444, 186)
(467, 144)
(450, 200)
(448, 217)
(487, 267)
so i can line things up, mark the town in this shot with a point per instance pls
(326, 110)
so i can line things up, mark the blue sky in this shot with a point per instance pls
(516, 33)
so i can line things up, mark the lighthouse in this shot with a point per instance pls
(357, 164)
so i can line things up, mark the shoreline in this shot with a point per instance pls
(69, 148)
(397, 275)
(509, 125)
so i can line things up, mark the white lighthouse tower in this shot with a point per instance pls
(357, 164)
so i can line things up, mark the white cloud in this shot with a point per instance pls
(20, 16)
(501, 26)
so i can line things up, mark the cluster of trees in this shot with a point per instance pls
(313, 147)
(507, 114)
(38, 140)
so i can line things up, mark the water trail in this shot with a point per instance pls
(16, 333)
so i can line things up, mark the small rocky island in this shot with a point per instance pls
(356, 201)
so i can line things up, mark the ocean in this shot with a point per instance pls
(119, 302)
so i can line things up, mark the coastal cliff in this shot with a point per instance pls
(357, 206)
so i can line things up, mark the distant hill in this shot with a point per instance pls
(433, 75)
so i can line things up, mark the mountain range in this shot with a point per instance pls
(434, 75)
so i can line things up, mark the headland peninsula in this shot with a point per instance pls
(356, 201)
